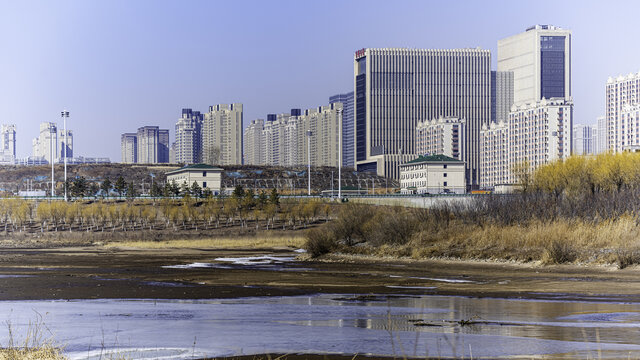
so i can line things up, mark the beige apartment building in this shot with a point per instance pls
(443, 136)
(222, 135)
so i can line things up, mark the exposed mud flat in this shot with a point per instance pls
(94, 272)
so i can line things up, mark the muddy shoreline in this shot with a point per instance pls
(97, 272)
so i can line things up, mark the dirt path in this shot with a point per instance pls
(95, 272)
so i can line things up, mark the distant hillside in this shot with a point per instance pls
(16, 178)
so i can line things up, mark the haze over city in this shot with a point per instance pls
(119, 65)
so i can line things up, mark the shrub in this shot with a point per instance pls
(319, 242)
(391, 226)
(627, 257)
(350, 225)
(560, 252)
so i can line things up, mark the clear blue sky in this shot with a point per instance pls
(117, 65)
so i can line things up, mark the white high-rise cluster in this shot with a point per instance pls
(50, 143)
(284, 140)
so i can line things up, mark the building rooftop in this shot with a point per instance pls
(433, 158)
(195, 167)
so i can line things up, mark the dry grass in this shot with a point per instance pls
(255, 242)
(615, 241)
(41, 353)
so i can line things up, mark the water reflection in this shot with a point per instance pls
(438, 326)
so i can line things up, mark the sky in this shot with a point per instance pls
(116, 65)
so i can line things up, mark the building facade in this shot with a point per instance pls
(583, 139)
(148, 145)
(394, 89)
(129, 148)
(501, 95)
(8, 153)
(600, 140)
(46, 144)
(443, 136)
(536, 134)
(540, 59)
(222, 135)
(206, 176)
(65, 146)
(348, 159)
(187, 147)
(494, 163)
(622, 96)
(253, 139)
(435, 174)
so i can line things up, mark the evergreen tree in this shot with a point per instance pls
(196, 190)
(238, 192)
(274, 197)
(120, 186)
(106, 186)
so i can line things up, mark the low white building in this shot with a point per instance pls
(207, 177)
(434, 174)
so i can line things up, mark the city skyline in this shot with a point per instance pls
(120, 65)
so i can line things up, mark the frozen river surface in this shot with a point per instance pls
(436, 326)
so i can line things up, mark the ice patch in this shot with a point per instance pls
(256, 260)
(301, 251)
(412, 287)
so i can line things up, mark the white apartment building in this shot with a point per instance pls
(537, 134)
(494, 163)
(629, 123)
(148, 145)
(253, 152)
(540, 59)
(441, 136)
(600, 140)
(286, 141)
(8, 151)
(129, 148)
(187, 147)
(395, 88)
(46, 144)
(583, 139)
(434, 174)
(222, 135)
(65, 140)
(622, 96)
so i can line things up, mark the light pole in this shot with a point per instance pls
(52, 130)
(65, 115)
(332, 184)
(339, 160)
(309, 134)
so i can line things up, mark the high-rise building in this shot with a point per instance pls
(129, 148)
(152, 145)
(583, 143)
(285, 140)
(442, 136)
(8, 152)
(540, 59)
(222, 135)
(46, 144)
(348, 158)
(501, 95)
(163, 146)
(494, 162)
(601, 135)
(65, 140)
(253, 139)
(397, 88)
(536, 134)
(188, 137)
(622, 96)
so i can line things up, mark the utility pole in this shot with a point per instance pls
(65, 115)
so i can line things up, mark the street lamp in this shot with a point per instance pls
(65, 115)
(339, 160)
(52, 130)
(309, 135)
